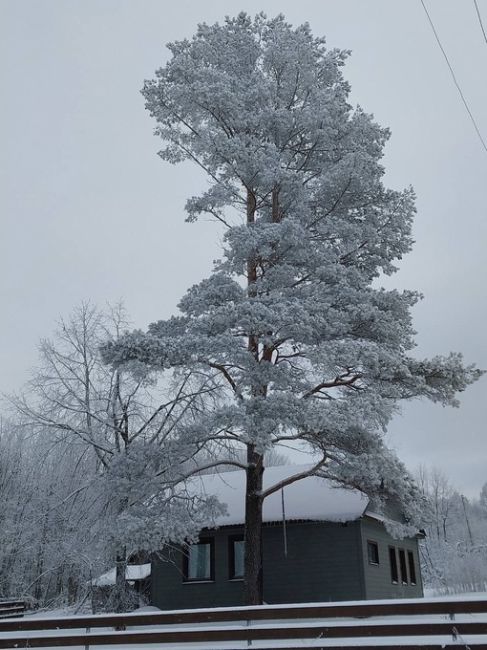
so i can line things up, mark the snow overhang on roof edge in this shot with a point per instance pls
(309, 499)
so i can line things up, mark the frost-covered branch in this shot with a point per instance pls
(295, 477)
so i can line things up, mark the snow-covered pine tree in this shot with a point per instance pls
(292, 321)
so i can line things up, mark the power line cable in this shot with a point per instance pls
(480, 20)
(454, 78)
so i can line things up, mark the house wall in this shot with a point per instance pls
(324, 563)
(378, 582)
(169, 591)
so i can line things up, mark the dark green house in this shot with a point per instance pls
(321, 543)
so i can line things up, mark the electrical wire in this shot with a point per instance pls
(454, 78)
(480, 20)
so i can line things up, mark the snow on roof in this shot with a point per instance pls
(133, 572)
(311, 498)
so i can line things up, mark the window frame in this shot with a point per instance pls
(393, 566)
(231, 556)
(412, 568)
(373, 543)
(403, 567)
(202, 541)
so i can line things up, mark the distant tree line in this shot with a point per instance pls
(454, 551)
(93, 465)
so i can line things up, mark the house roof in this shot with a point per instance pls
(133, 572)
(311, 498)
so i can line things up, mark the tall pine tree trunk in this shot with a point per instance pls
(253, 578)
(120, 592)
(253, 559)
(253, 566)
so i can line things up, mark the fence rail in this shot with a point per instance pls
(257, 613)
(10, 608)
(289, 626)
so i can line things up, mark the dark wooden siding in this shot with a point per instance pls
(378, 583)
(324, 563)
(169, 591)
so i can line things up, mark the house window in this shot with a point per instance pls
(236, 549)
(198, 561)
(393, 565)
(373, 552)
(412, 568)
(402, 564)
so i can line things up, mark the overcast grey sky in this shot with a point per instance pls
(90, 212)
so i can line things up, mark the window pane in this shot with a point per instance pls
(199, 562)
(373, 552)
(393, 563)
(402, 564)
(412, 568)
(238, 558)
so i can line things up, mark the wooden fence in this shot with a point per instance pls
(435, 624)
(10, 608)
